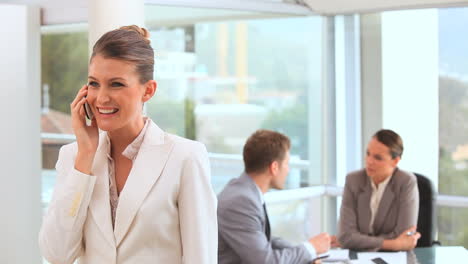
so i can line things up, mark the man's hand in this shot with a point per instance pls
(334, 242)
(321, 243)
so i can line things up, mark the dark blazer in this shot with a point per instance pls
(398, 210)
(241, 229)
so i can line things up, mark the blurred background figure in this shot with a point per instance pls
(244, 229)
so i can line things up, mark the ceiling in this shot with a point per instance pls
(188, 11)
(360, 6)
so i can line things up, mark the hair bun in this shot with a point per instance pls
(140, 30)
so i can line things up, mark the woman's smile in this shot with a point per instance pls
(107, 111)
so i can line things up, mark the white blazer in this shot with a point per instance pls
(166, 212)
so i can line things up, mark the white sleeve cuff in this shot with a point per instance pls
(80, 188)
(77, 172)
(310, 249)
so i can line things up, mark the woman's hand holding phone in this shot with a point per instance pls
(87, 137)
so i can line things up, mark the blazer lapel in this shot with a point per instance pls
(100, 203)
(384, 206)
(256, 197)
(363, 207)
(146, 169)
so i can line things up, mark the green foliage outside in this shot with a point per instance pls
(190, 127)
(453, 175)
(452, 221)
(173, 116)
(64, 61)
(65, 70)
(168, 114)
(293, 122)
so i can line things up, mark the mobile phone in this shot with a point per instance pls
(379, 261)
(88, 112)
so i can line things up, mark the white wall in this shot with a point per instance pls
(400, 83)
(20, 151)
(371, 76)
(106, 15)
(410, 80)
(347, 96)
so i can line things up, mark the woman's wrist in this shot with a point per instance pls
(84, 162)
(391, 244)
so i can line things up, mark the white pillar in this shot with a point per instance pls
(106, 15)
(371, 76)
(347, 96)
(405, 89)
(20, 151)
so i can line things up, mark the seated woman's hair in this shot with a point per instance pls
(392, 140)
(128, 43)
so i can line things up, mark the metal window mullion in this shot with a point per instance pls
(328, 147)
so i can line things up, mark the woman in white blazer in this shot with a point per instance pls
(133, 193)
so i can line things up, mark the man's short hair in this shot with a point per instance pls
(263, 148)
(392, 140)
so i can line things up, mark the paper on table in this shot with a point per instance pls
(389, 257)
(337, 255)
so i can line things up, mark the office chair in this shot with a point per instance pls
(427, 213)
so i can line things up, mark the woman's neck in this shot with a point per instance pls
(380, 179)
(122, 137)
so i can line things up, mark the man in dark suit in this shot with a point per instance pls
(244, 234)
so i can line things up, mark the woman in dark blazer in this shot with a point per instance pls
(380, 203)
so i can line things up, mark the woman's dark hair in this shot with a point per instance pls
(392, 140)
(128, 43)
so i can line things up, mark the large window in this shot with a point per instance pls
(436, 52)
(64, 69)
(222, 78)
(453, 121)
(221, 75)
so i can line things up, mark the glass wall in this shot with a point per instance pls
(222, 78)
(224, 74)
(64, 69)
(221, 75)
(451, 71)
(453, 122)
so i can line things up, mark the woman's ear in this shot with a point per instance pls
(150, 89)
(395, 161)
